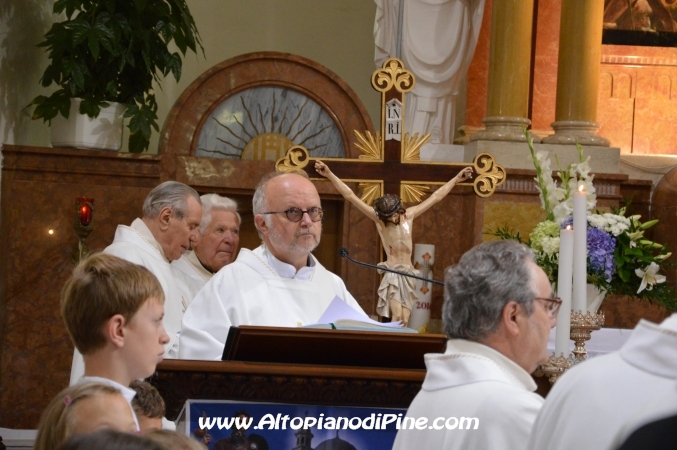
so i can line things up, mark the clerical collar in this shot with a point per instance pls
(140, 227)
(287, 270)
(192, 258)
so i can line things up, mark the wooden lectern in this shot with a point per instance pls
(303, 366)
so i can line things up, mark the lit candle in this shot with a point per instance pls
(580, 265)
(564, 279)
(85, 208)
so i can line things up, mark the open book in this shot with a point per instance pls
(340, 316)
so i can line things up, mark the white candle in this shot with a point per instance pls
(564, 280)
(580, 250)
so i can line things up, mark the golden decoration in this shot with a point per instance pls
(295, 160)
(393, 74)
(412, 193)
(370, 145)
(582, 326)
(490, 175)
(371, 191)
(411, 147)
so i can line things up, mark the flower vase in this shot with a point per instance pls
(595, 297)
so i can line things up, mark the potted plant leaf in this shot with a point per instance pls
(111, 51)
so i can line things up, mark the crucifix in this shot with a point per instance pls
(390, 163)
(391, 160)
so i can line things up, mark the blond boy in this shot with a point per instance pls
(113, 311)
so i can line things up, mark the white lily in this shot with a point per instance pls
(649, 277)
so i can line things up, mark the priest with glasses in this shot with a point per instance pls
(278, 284)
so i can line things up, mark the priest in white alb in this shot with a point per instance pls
(591, 403)
(171, 216)
(216, 242)
(478, 394)
(279, 283)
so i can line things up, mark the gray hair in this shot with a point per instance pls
(477, 289)
(217, 202)
(260, 202)
(170, 194)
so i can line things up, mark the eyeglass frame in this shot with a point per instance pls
(320, 213)
(556, 300)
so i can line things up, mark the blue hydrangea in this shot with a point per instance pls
(601, 246)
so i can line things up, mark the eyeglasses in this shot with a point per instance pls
(553, 304)
(296, 214)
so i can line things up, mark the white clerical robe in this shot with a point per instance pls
(190, 266)
(472, 380)
(590, 403)
(257, 289)
(661, 407)
(136, 244)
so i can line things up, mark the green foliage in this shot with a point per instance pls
(112, 51)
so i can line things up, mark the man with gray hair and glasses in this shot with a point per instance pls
(498, 312)
(171, 216)
(279, 283)
(216, 242)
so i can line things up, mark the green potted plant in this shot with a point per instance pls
(111, 51)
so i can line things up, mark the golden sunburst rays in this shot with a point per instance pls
(370, 191)
(411, 147)
(369, 145)
(413, 193)
(248, 128)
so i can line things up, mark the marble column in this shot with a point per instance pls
(580, 49)
(509, 71)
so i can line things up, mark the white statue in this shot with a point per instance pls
(438, 43)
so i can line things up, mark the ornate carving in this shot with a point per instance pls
(411, 147)
(393, 74)
(489, 175)
(178, 386)
(412, 193)
(370, 145)
(370, 191)
(294, 161)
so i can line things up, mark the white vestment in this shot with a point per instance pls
(438, 43)
(137, 245)
(472, 380)
(589, 404)
(190, 266)
(253, 291)
(663, 406)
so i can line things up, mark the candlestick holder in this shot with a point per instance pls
(582, 325)
(556, 366)
(84, 224)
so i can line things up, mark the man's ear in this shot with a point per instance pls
(511, 316)
(163, 218)
(115, 330)
(260, 223)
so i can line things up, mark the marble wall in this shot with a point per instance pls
(637, 104)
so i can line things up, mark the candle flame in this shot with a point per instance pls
(568, 227)
(51, 231)
(581, 188)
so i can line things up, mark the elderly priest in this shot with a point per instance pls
(171, 215)
(498, 313)
(216, 243)
(279, 283)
